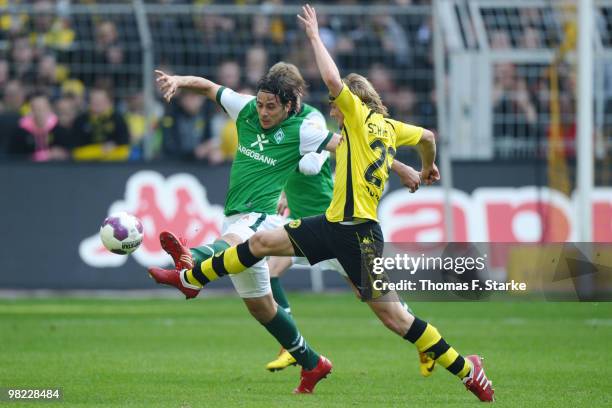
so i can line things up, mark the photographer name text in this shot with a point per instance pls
(427, 285)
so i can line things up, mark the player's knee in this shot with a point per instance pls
(274, 271)
(259, 244)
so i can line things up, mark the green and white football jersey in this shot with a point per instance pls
(266, 157)
(309, 195)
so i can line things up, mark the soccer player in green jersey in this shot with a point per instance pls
(349, 230)
(272, 139)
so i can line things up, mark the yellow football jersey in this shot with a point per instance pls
(364, 158)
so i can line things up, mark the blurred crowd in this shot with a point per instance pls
(533, 101)
(57, 85)
(71, 82)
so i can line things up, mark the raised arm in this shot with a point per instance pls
(327, 66)
(169, 84)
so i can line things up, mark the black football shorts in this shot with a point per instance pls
(355, 246)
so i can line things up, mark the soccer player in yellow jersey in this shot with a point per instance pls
(349, 230)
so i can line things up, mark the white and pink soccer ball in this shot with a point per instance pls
(121, 233)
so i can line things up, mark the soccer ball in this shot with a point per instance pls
(121, 233)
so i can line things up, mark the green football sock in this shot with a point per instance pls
(204, 252)
(201, 254)
(233, 260)
(284, 330)
(279, 294)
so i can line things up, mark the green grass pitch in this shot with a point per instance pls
(211, 353)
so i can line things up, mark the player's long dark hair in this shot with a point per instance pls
(285, 81)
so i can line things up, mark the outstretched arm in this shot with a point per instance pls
(327, 66)
(169, 84)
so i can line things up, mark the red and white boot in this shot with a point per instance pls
(176, 278)
(477, 382)
(177, 248)
(310, 378)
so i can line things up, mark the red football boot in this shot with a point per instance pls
(477, 381)
(172, 277)
(310, 378)
(177, 248)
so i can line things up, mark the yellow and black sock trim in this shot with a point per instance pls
(218, 264)
(231, 261)
(459, 367)
(428, 340)
(438, 349)
(245, 256)
(447, 357)
(198, 272)
(416, 330)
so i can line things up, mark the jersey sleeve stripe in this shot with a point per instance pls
(218, 98)
(325, 142)
(349, 203)
(390, 123)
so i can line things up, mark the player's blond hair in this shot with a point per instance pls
(364, 90)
